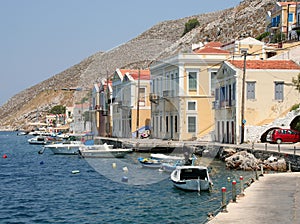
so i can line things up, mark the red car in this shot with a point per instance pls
(283, 135)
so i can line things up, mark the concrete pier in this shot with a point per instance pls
(274, 198)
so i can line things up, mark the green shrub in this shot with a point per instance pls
(191, 24)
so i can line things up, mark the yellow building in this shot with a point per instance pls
(182, 89)
(282, 19)
(131, 108)
(253, 96)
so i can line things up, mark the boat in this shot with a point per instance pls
(150, 163)
(102, 151)
(191, 178)
(171, 166)
(64, 148)
(164, 157)
(68, 146)
(38, 140)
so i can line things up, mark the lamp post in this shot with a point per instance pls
(243, 121)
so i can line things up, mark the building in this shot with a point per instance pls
(282, 20)
(101, 98)
(182, 91)
(268, 94)
(131, 108)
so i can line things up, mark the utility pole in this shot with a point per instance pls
(243, 121)
(287, 22)
(138, 105)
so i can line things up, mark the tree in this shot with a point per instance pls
(191, 24)
(58, 109)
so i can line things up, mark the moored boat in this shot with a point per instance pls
(150, 163)
(102, 151)
(191, 178)
(38, 140)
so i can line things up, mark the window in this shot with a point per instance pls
(167, 123)
(192, 80)
(250, 90)
(191, 124)
(291, 17)
(213, 80)
(278, 90)
(142, 95)
(191, 105)
(176, 124)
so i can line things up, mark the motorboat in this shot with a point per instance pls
(191, 178)
(103, 151)
(64, 148)
(69, 146)
(38, 140)
(164, 157)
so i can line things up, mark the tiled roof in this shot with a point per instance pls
(286, 3)
(144, 74)
(210, 50)
(213, 44)
(265, 64)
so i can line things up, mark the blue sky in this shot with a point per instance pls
(41, 38)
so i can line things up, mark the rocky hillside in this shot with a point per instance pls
(162, 40)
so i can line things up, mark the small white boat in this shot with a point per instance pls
(164, 157)
(38, 140)
(191, 178)
(102, 151)
(64, 148)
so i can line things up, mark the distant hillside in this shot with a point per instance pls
(162, 40)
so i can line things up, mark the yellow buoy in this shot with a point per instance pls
(114, 165)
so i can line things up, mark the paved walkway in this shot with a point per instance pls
(274, 198)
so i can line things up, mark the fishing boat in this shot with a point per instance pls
(191, 178)
(150, 163)
(102, 151)
(171, 166)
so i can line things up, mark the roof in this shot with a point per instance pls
(213, 44)
(286, 3)
(210, 50)
(265, 64)
(134, 73)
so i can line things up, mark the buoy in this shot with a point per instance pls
(42, 162)
(228, 179)
(125, 169)
(114, 165)
(75, 171)
(4, 156)
(124, 179)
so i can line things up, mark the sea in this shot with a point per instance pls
(48, 188)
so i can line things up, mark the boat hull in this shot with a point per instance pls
(104, 153)
(191, 178)
(63, 149)
(192, 185)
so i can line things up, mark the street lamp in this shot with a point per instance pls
(243, 121)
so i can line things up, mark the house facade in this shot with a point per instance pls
(282, 19)
(182, 89)
(268, 94)
(101, 98)
(131, 108)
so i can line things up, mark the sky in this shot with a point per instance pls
(41, 38)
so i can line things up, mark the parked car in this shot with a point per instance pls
(283, 135)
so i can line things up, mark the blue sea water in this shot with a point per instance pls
(41, 188)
